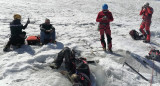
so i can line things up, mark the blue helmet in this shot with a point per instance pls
(105, 7)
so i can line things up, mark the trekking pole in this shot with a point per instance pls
(136, 71)
(151, 81)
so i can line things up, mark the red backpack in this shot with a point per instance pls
(33, 40)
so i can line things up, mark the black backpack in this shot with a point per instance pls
(135, 35)
(82, 66)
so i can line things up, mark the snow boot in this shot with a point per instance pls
(104, 49)
(6, 48)
(146, 41)
(54, 42)
(41, 44)
(53, 66)
(110, 50)
(110, 47)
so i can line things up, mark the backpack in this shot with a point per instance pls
(33, 40)
(151, 9)
(82, 66)
(135, 35)
(84, 79)
(154, 55)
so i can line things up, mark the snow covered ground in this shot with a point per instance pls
(76, 28)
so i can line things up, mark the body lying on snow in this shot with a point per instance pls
(78, 70)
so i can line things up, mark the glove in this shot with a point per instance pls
(28, 21)
(105, 18)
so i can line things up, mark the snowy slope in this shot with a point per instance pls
(76, 27)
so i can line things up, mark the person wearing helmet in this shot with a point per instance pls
(146, 13)
(104, 18)
(17, 35)
(47, 32)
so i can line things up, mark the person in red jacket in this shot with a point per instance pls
(146, 13)
(104, 18)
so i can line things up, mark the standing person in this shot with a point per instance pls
(146, 13)
(17, 35)
(104, 18)
(47, 32)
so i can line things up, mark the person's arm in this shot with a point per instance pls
(25, 26)
(41, 28)
(99, 19)
(110, 18)
(142, 11)
(52, 28)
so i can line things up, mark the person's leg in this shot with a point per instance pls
(142, 26)
(109, 39)
(65, 53)
(22, 38)
(148, 31)
(69, 60)
(102, 39)
(42, 37)
(7, 47)
(53, 34)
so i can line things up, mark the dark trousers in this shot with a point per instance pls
(17, 39)
(109, 39)
(66, 54)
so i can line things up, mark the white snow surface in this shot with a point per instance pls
(76, 27)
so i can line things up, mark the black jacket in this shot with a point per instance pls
(44, 27)
(16, 27)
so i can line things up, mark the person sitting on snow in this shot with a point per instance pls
(104, 18)
(47, 32)
(146, 13)
(17, 35)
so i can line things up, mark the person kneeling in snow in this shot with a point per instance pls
(146, 13)
(73, 65)
(104, 18)
(17, 35)
(47, 32)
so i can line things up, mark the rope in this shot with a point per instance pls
(151, 81)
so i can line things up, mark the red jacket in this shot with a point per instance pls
(104, 23)
(147, 14)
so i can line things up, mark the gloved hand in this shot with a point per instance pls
(49, 31)
(28, 21)
(105, 18)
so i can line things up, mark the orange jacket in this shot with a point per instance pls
(104, 23)
(147, 14)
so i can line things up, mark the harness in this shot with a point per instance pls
(104, 24)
